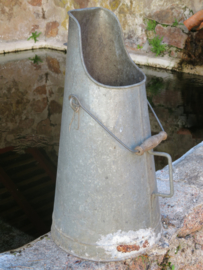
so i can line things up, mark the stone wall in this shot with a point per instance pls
(19, 18)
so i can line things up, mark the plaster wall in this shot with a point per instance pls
(19, 18)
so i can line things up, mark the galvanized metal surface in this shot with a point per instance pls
(104, 209)
(75, 104)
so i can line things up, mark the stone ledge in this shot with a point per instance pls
(181, 244)
(140, 58)
(16, 46)
(166, 62)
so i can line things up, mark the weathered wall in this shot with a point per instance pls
(19, 18)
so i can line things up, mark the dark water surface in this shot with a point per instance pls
(31, 98)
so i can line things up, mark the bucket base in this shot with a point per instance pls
(112, 247)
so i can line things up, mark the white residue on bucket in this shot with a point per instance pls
(125, 244)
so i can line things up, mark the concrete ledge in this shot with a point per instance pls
(159, 62)
(146, 59)
(23, 45)
(166, 62)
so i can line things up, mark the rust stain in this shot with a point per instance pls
(146, 244)
(127, 248)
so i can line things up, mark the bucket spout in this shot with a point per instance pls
(103, 50)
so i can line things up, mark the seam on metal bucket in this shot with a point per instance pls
(94, 258)
(74, 240)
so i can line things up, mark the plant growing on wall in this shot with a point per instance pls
(139, 46)
(151, 25)
(176, 23)
(34, 36)
(36, 59)
(157, 47)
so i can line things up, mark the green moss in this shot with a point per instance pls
(155, 86)
(177, 249)
(157, 47)
(36, 59)
(166, 265)
(151, 25)
(176, 23)
(139, 46)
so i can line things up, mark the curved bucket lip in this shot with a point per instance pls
(81, 52)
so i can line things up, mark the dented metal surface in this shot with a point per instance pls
(103, 197)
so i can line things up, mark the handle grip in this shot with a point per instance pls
(170, 174)
(151, 143)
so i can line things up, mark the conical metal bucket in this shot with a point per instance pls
(106, 205)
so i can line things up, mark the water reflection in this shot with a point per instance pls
(31, 97)
(178, 101)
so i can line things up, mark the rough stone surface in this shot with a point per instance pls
(14, 237)
(168, 15)
(51, 29)
(39, 105)
(181, 214)
(199, 237)
(34, 28)
(55, 107)
(171, 35)
(193, 222)
(35, 2)
(44, 127)
(26, 123)
(53, 65)
(20, 18)
(41, 90)
(81, 3)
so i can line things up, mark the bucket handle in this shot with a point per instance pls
(147, 145)
(170, 174)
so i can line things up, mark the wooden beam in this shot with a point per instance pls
(7, 149)
(43, 162)
(23, 203)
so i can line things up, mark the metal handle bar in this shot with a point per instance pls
(76, 104)
(170, 174)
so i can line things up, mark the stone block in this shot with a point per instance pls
(172, 35)
(139, 263)
(40, 90)
(168, 15)
(44, 127)
(193, 222)
(52, 29)
(80, 3)
(55, 107)
(39, 105)
(53, 65)
(198, 236)
(35, 3)
(114, 4)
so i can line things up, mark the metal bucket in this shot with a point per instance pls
(106, 206)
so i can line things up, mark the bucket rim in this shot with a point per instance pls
(123, 44)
